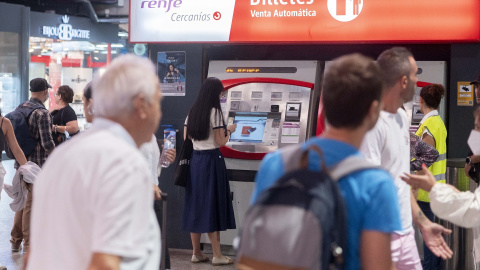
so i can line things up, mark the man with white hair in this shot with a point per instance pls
(93, 200)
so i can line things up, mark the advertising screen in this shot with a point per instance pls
(249, 129)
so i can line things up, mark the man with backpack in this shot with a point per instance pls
(352, 91)
(388, 145)
(39, 122)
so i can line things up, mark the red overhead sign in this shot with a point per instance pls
(305, 21)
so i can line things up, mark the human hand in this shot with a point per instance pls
(425, 181)
(232, 128)
(171, 154)
(432, 235)
(467, 169)
(157, 192)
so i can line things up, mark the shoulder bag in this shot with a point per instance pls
(182, 170)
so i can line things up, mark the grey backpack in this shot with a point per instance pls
(300, 222)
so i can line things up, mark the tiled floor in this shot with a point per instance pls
(13, 261)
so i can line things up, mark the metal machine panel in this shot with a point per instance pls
(428, 72)
(274, 104)
(294, 70)
(254, 101)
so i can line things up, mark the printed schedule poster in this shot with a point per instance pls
(171, 72)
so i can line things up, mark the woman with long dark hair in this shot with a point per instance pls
(208, 204)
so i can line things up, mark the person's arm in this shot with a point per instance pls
(12, 142)
(71, 127)
(431, 232)
(380, 217)
(428, 139)
(44, 123)
(102, 261)
(157, 192)
(171, 154)
(461, 208)
(375, 250)
(219, 134)
(473, 159)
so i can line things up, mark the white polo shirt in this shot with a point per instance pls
(94, 195)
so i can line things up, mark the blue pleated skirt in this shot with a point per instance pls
(208, 202)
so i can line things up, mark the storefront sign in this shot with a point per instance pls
(65, 31)
(464, 94)
(73, 28)
(304, 21)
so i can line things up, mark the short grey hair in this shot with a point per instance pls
(126, 77)
(395, 64)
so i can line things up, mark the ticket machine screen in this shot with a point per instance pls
(249, 128)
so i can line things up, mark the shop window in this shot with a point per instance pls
(9, 71)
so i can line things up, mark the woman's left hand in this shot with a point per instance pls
(425, 181)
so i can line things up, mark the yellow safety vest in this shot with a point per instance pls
(437, 128)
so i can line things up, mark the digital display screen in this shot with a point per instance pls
(261, 70)
(249, 128)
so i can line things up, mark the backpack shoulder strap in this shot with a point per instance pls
(349, 165)
(291, 156)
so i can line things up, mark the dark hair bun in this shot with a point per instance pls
(432, 95)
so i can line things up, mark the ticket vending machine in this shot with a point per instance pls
(429, 72)
(274, 104)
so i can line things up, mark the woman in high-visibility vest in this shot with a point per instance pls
(432, 130)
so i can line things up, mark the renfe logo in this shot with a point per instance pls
(345, 10)
(280, 2)
(167, 4)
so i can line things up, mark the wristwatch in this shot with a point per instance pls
(468, 160)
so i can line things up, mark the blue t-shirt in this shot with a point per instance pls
(370, 195)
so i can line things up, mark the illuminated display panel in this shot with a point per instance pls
(250, 128)
(261, 70)
(268, 21)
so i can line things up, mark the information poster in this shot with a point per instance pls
(171, 72)
(464, 94)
